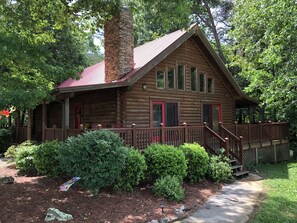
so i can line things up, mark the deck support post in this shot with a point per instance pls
(257, 156)
(261, 133)
(270, 125)
(226, 147)
(241, 149)
(29, 128)
(274, 151)
(162, 135)
(249, 135)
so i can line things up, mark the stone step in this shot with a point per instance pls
(241, 174)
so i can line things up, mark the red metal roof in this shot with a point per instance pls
(95, 75)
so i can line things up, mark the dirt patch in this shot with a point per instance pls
(28, 199)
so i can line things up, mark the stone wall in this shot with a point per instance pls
(119, 45)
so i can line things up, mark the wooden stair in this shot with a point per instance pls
(237, 169)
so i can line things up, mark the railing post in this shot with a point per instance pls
(226, 147)
(134, 138)
(185, 132)
(99, 126)
(241, 149)
(81, 127)
(162, 130)
(260, 126)
(220, 128)
(204, 132)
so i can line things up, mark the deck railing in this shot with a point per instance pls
(231, 137)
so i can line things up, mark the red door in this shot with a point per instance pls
(158, 110)
(212, 115)
(77, 115)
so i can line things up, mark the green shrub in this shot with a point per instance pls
(98, 157)
(219, 168)
(133, 172)
(169, 187)
(25, 157)
(5, 139)
(11, 152)
(46, 159)
(163, 160)
(197, 161)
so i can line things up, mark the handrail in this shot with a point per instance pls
(235, 143)
(222, 142)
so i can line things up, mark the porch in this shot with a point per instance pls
(244, 142)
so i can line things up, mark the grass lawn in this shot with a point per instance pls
(280, 202)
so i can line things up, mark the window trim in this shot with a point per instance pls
(156, 78)
(184, 78)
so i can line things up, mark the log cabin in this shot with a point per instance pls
(175, 79)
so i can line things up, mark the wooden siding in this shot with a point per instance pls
(138, 100)
(97, 107)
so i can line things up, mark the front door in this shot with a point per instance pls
(77, 115)
(212, 115)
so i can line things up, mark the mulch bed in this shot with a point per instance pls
(28, 199)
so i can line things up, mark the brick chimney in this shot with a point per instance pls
(119, 44)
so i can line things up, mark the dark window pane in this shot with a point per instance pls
(157, 115)
(209, 85)
(193, 79)
(180, 77)
(170, 78)
(202, 82)
(171, 114)
(160, 79)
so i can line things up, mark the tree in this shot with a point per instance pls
(265, 38)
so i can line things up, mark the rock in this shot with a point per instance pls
(54, 214)
(164, 220)
(154, 221)
(180, 211)
(6, 180)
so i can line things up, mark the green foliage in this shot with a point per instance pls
(197, 159)
(133, 172)
(25, 157)
(219, 169)
(5, 139)
(163, 160)
(98, 157)
(11, 152)
(46, 159)
(169, 187)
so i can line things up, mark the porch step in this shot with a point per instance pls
(232, 161)
(241, 174)
(236, 168)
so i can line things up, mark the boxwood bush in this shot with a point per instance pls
(98, 157)
(169, 187)
(46, 159)
(219, 168)
(197, 161)
(25, 157)
(133, 172)
(163, 160)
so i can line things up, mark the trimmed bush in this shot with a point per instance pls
(5, 139)
(46, 159)
(133, 172)
(219, 169)
(197, 161)
(163, 160)
(98, 157)
(25, 157)
(169, 187)
(11, 152)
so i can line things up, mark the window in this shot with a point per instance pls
(193, 79)
(164, 112)
(170, 78)
(209, 85)
(160, 79)
(202, 82)
(180, 77)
